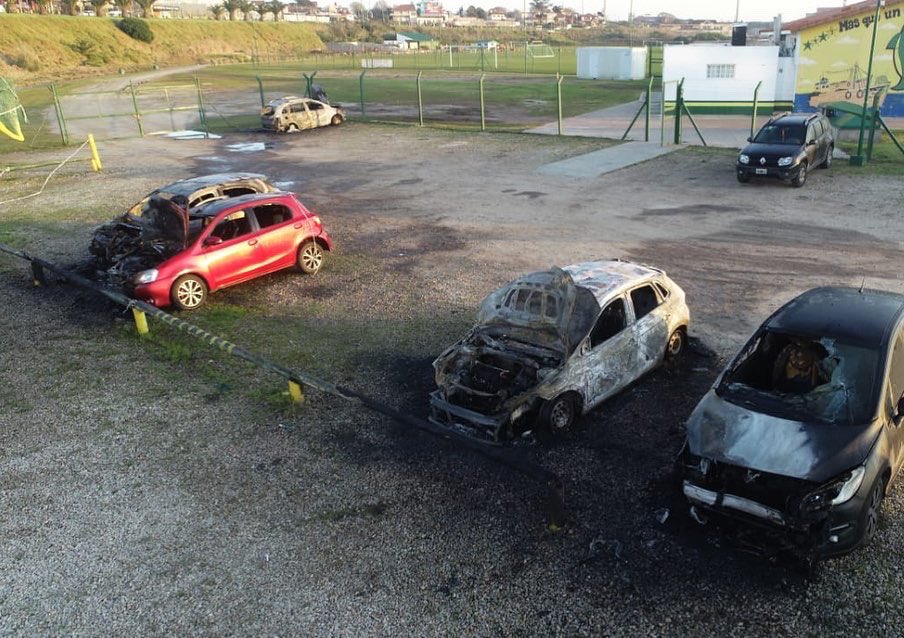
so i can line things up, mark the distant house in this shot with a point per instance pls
(497, 14)
(410, 40)
(489, 45)
(404, 13)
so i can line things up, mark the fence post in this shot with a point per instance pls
(646, 124)
(95, 157)
(679, 108)
(559, 79)
(201, 114)
(260, 88)
(361, 84)
(309, 84)
(61, 120)
(483, 121)
(135, 107)
(420, 102)
(756, 93)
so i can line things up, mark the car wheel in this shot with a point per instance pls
(310, 257)
(558, 415)
(828, 162)
(801, 178)
(869, 515)
(337, 120)
(188, 292)
(675, 345)
(292, 128)
(743, 178)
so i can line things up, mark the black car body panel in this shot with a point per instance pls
(800, 466)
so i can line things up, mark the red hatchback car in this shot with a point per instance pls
(230, 241)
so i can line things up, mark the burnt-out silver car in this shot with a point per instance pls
(552, 345)
(802, 434)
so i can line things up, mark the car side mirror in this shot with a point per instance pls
(749, 138)
(213, 240)
(585, 348)
(811, 143)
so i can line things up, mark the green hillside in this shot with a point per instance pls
(35, 48)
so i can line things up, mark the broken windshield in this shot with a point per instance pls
(805, 379)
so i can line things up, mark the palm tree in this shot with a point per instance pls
(276, 8)
(247, 8)
(44, 6)
(233, 7)
(218, 11)
(147, 7)
(100, 7)
(125, 6)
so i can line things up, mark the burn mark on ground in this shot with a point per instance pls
(690, 209)
(408, 182)
(530, 194)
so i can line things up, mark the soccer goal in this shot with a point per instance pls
(11, 112)
(538, 49)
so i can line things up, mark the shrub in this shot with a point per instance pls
(136, 28)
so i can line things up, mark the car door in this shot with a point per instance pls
(318, 113)
(277, 236)
(231, 249)
(651, 325)
(895, 392)
(605, 360)
(303, 115)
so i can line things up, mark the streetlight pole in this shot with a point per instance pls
(737, 11)
(858, 159)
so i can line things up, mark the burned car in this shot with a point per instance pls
(141, 237)
(801, 435)
(223, 243)
(552, 345)
(290, 114)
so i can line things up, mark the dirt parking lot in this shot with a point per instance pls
(155, 487)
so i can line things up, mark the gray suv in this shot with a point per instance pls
(787, 147)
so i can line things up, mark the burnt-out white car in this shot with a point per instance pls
(552, 345)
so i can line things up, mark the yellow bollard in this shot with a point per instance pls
(95, 158)
(296, 392)
(141, 321)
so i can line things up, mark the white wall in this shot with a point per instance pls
(612, 63)
(752, 65)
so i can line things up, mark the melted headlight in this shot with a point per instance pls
(146, 276)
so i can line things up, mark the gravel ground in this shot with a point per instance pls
(153, 487)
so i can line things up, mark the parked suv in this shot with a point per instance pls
(787, 147)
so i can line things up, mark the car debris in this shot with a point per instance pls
(800, 437)
(155, 227)
(552, 345)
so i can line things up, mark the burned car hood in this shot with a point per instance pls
(547, 305)
(722, 431)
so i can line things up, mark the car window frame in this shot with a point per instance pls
(659, 299)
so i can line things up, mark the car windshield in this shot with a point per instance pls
(805, 379)
(778, 133)
(267, 111)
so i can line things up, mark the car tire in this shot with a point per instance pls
(869, 515)
(188, 292)
(310, 257)
(828, 162)
(801, 178)
(292, 128)
(676, 344)
(743, 178)
(337, 120)
(558, 415)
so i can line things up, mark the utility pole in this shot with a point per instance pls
(737, 11)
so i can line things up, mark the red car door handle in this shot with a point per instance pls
(298, 225)
(252, 242)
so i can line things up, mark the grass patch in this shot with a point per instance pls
(887, 159)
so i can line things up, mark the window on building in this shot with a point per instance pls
(720, 70)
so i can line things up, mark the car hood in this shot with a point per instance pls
(164, 219)
(563, 314)
(729, 433)
(771, 150)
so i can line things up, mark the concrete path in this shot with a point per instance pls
(606, 160)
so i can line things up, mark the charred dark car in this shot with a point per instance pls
(801, 436)
(787, 147)
(554, 344)
(155, 228)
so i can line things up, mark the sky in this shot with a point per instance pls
(722, 10)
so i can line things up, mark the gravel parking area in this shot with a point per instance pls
(156, 487)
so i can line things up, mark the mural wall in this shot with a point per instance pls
(834, 57)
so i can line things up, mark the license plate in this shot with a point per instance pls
(761, 171)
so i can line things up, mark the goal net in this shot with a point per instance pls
(540, 50)
(12, 113)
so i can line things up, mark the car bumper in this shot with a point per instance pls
(787, 173)
(156, 293)
(826, 533)
(482, 427)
